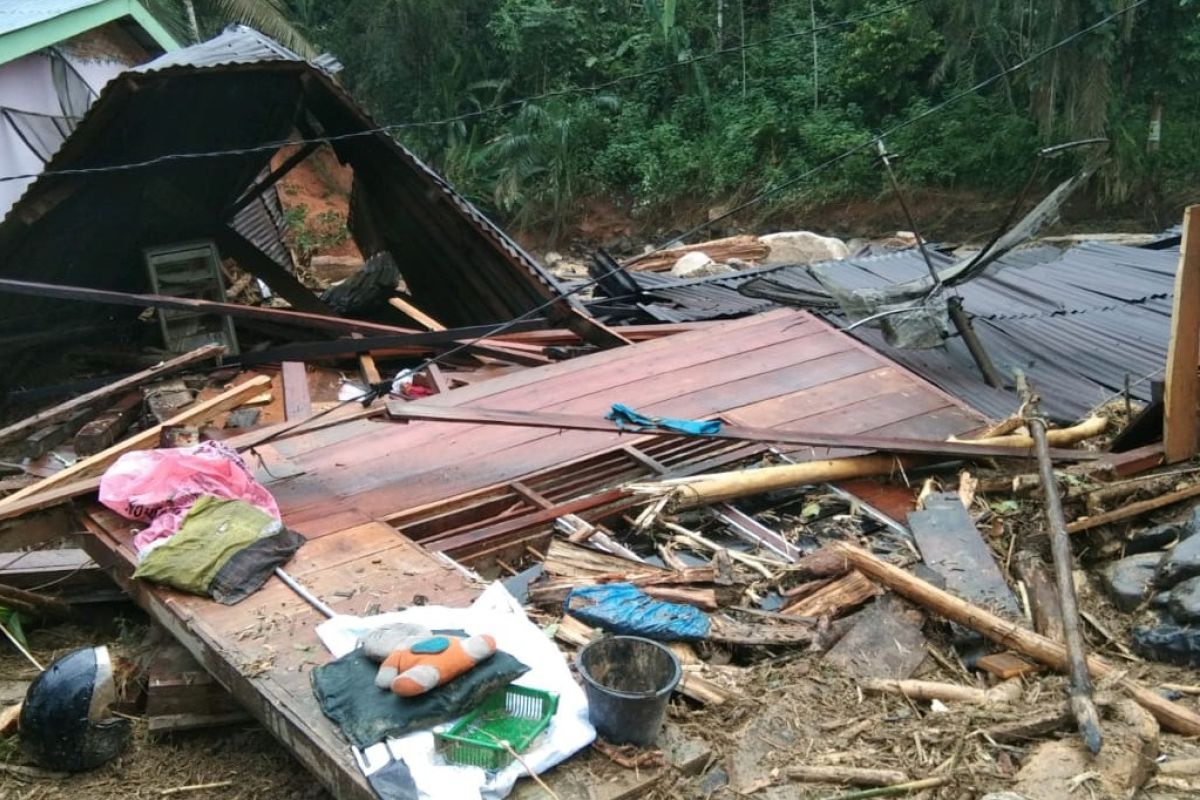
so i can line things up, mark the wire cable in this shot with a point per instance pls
(482, 112)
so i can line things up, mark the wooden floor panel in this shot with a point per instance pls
(335, 486)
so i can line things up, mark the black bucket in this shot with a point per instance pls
(628, 681)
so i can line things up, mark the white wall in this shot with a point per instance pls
(27, 85)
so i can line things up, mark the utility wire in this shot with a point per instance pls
(482, 112)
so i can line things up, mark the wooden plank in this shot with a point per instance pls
(94, 465)
(39, 443)
(1134, 509)
(415, 314)
(297, 403)
(300, 319)
(263, 650)
(493, 416)
(1183, 351)
(950, 544)
(836, 599)
(64, 409)
(367, 370)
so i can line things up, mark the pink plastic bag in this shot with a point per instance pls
(158, 487)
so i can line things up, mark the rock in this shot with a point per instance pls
(1184, 604)
(1124, 764)
(1128, 581)
(1191, 524)
(698, 265)
(1160, 600)
(1160, 537)
(1169, 643)
(551, 258)
(1179, 564)
(802, 247)
(243, 418)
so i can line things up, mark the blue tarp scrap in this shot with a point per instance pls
(625, 416)
(623, 608)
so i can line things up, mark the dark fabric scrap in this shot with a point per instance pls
(346, 690)
(248, 569)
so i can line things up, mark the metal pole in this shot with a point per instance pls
(305, 594)
(1083, 708)
(962, 323)
(886, 158)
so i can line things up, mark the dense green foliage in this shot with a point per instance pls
(663, 129)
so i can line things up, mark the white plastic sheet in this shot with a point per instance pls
(498, 613)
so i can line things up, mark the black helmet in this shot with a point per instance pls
(65, 721)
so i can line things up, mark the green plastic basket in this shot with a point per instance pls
(515, 715)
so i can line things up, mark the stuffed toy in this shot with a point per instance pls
(416, 667)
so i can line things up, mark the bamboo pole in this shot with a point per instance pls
(1059, 437)
(723, 486)
(1007, 692)
(1010, 634)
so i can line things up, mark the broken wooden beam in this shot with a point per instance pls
(836, 599)
(404, 411)
(108, 426)
(297, 401)
(1001, 694)
(302, 319)
(1134, 509)
(1180, 428)
(38, 443)
(1172, 716)
(64, 409)
(79, 473)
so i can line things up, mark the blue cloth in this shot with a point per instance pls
(624, 416)
(623, 608)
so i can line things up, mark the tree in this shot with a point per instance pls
(193, 19)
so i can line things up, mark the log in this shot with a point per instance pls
(1170, 715)
(64, 409)
(1059, 437)
(93, 466)
(1134, 509)
(822, 563)
(1007, 692)
(732, 485)
(852, 776)
(834, 600)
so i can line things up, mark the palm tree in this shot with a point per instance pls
(272, 17)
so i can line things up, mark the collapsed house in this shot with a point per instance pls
(759, 473)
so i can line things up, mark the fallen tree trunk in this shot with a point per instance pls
(1172, 716)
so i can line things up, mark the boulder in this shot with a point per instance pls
(1128, 581)
(1168, 642)
(1179, 564)
(1158, 538)
(802, 247)
(698, 265)
(1124, 764)
(1184, 604)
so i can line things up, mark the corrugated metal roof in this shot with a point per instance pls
(18, 14)
(237, 44)
(242, 90)
(1077, 322)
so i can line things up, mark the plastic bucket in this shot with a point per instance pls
(628, 681)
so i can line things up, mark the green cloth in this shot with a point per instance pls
(213, 532)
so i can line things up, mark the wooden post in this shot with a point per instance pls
(1183, 352)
